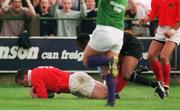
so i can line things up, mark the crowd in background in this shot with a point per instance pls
(67, 18)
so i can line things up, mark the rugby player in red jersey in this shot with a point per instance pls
(45, 80)
(166, 39)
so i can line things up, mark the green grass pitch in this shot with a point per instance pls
(133, 97)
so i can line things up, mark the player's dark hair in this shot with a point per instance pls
(82, 39)
(20, 74)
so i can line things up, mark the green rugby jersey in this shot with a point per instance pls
(111, 13)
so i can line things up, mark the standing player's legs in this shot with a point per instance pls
(155, 50)
(165, 55)
(166, 67)
(95, 59)
(102, 50)
(110, 76)
(153, 53)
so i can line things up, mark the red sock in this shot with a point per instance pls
(156, 67)
(166, 68)
(120, 83)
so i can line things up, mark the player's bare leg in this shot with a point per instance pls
(92, 58)
(166, 67)
(100, 91)
(153, 53)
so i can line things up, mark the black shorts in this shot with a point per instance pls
(132, 47)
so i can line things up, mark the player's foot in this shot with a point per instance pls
(166, 88)
(160, 90)
(166, 93)
(140, 69)
(113, 66)
(110, 104)
(117, 96)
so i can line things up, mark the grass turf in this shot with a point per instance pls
(133, 97)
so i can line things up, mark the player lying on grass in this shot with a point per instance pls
(129, 57)
(45, 80)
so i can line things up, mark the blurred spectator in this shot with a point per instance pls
(75, 4)
(87, 26)
(1, 2)
(69, 27)
(143, 7)
(15, 27)
(131, 11)
(36, 5)
(1, 11)
(47, 27)
(52, 6)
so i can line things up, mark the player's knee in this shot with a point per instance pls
(164, 58)
(151, 57)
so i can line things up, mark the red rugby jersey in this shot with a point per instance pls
(49, 79)
(167, 12)
(178, 11)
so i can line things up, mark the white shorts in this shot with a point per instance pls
(105, 38)
(160, 36)
(176, 37)
(81, 83)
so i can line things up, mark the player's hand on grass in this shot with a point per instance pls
(32, 92)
